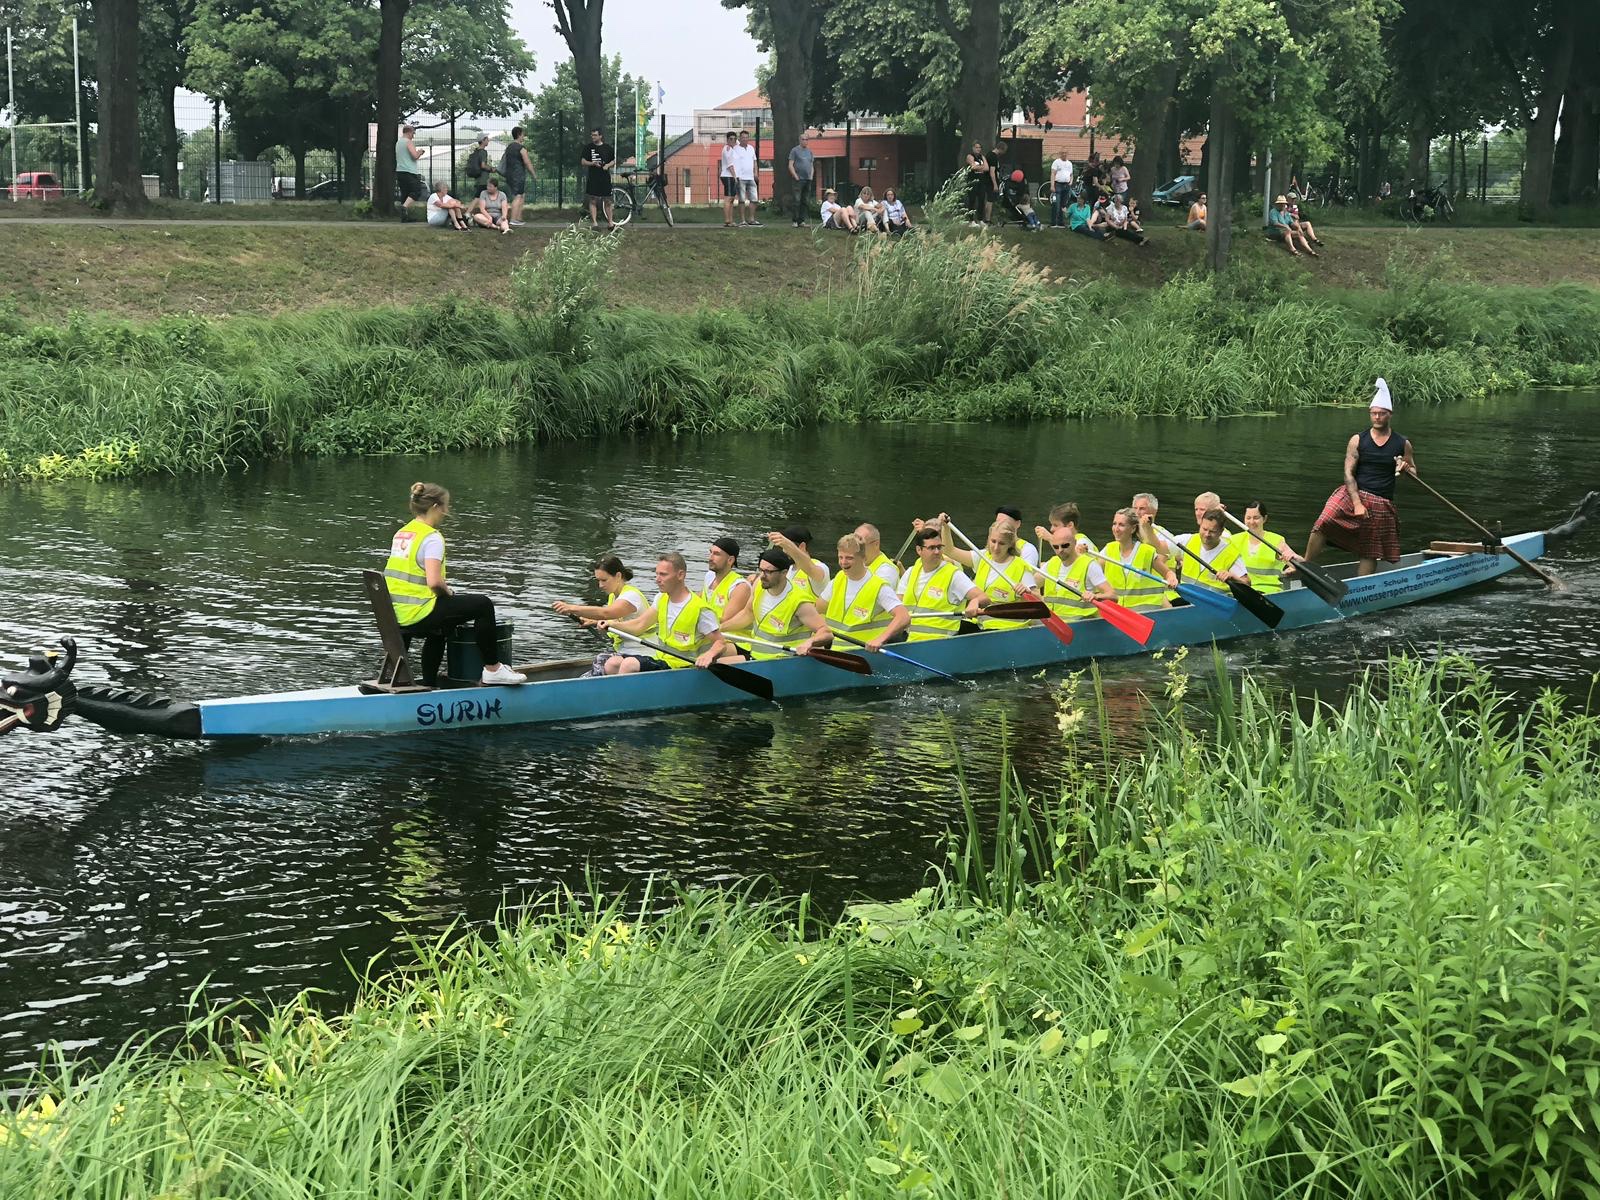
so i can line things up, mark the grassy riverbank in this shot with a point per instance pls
(1348, 954)
(944, 326)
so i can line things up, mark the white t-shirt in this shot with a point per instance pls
(436, 213)
(829, 208)
(1028, 552)
(889, 573)
(887, 601)
(1061, 170)
(1094, 578)
(960, 586)
(704, 627)
(432, 548)
(633, 601)
(1210, 556)
(744, 162)
(726, 168)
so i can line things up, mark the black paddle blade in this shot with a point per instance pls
(1259, 607)
(1018, 610)
(1331, 590)
(758, 686)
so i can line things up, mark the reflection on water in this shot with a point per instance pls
(133, 870)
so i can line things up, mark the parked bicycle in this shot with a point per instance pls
(625, 200)
(1428, 204)
(1337, 191)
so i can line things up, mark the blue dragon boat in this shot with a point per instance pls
(44, 697)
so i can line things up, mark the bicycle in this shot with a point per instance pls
(1431, 203)
(625, 203)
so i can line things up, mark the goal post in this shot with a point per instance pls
(44, 145)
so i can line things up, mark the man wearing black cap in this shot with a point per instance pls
(725, 590)
(780, 614)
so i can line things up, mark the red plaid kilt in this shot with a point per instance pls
(1377, 535)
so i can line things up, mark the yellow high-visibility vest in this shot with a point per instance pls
(1263, 563)
(775, 621)
(639, 605)
(717, 594)
(861, 615)
(681, 634)
(1063, 601)
(1193, 572)
(924, 590)
(405, 575)
(1002, 588)
(1135, 591)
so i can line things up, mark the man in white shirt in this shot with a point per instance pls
(1026, 550)
(744, 177)
(795, 541)
(846, 605)
(730, 189)
(1061, 181)
(936, 584)
(1219, 554)
(661, 619)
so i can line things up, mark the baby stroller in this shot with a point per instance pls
(1016, 203)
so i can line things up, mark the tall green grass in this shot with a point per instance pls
(939, 326)
(1347, 953)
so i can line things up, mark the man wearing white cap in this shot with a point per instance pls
(1360, 515)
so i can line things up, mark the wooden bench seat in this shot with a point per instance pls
(394, 676)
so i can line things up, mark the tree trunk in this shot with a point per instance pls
(1221, 140)
(977, 92)
(1156, 115)
(1417, 156)
(578, 22)
(1583, 176)
(794, 40)
(392, 20)
(1556, 68)
(299, 153)
(941, 159)
(117, 68)
(169, 139)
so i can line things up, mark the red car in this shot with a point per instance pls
(35, 185)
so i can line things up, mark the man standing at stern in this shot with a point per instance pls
(1360, 516)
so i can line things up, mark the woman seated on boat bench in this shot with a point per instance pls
(424, 603)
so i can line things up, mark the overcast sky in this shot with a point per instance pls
(698, 50)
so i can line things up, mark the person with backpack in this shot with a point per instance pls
(517, 167)
(478, 169)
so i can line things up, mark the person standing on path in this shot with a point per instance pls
(1360, 516)
(1061, 183)
(518, 171)
(478, 169)
(730, 190)
(801, 162)
(408, 170)
(744, 177)
(599, 157)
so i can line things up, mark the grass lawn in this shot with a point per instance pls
(144, 270)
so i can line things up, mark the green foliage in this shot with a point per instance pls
(559, 292)
(559, 101)
(1346, 953)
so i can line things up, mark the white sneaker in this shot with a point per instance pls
(515, 224)
(503, 674)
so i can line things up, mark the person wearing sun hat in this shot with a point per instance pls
(1360, 516)
(1281, 228)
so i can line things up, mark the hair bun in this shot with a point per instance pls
(418, 488)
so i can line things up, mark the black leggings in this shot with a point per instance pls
(447, 613)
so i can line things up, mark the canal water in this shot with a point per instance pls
(132, 871)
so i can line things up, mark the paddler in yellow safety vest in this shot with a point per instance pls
(1064, 516)
(795, 541)
(625, 602)
(1134, 591)
(725, 589)
(1220, 556)
(879, 563)
(937, 584)
(679, 620)
(1010, 515)
(424, 603)
(858, 602)
(1006, 579)
(781, 613)
(1072, 564)
(1265, 553)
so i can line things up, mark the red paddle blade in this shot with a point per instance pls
(1053, 623)
(1135, 624)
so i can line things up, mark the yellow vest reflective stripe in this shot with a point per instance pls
(1002, 588)
(682, 634)
(1077, 574)
(862, 615)
(800, 581)
(1132, 590)
(717, 594)
(1263, 563)
(628, 592)
(932, 591)
(406, 577)
(1193, 572)
(775, 621)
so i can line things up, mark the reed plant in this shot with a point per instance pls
(943, 325)
(1295, 950)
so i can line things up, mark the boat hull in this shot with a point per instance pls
(1418, 577)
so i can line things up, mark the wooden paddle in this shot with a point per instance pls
(1200, 597)
(905, 545)
(1124, 619)
(1010, 610)
(1331, 590)
(1257, 605)
(853, 663)
(1053, 623)
(884, 650)
(1490, 539)
(746, 681)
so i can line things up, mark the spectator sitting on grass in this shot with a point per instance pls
(1280, 228)
(836, 215)
(1018, 198)
(869, 213)
(1122, 222)
(1197, 214)
(491, 209)
(1081, 218)
(444, 209)
(895, 216)
(1303, 227)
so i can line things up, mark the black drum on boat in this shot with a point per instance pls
(463, 663)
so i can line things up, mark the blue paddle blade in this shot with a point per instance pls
(1204, 597)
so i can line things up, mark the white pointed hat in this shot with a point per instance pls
(1380, 396)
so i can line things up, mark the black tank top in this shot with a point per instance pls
(1375, 463)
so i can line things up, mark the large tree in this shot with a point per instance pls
(118, 184)
(555, 132)
(788, 29)
(578, 23)
(1557, 24)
